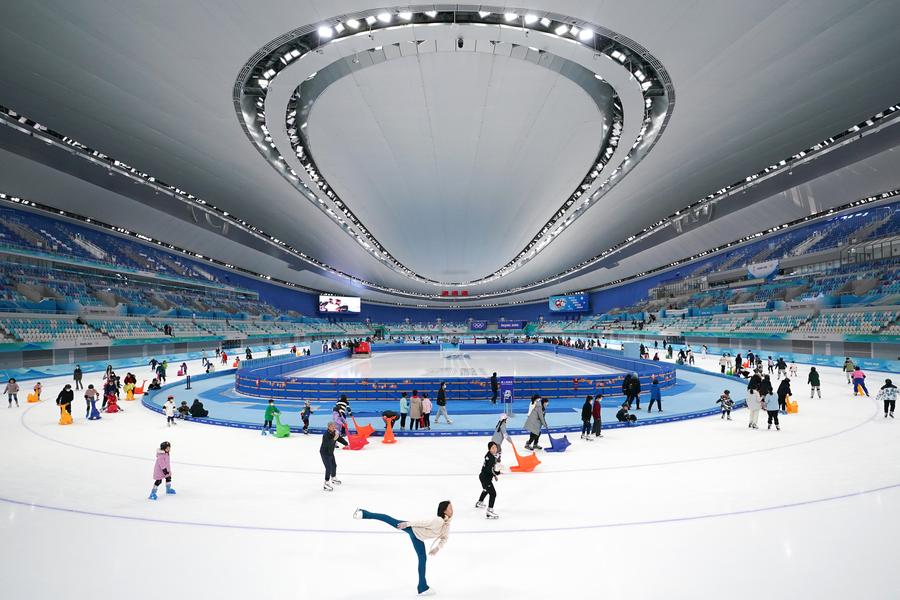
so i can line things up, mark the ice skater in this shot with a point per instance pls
(90, 402)
(330, 439)
(859, 381)
(772, 409)
(442, 404)
(12, 392)
(271, 411)
(305, 413)
(404, 410)
(495, 387)
(784, 392)
(814, 383)
(587, 411)
(500, 434)
(534, 423)
(65, 398)
(437, 528)
(162, 470)
(888, 394)
(727, 404)
(655, 396)
(598, 423)
(623, 415)
(490, 471)
(169, 409)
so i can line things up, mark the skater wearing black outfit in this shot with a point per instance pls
(784, 390)
(494, 388)
(77, 375)
(330, 439)
(587, 411)
(888, 395)
(490, 470)
(65, 397)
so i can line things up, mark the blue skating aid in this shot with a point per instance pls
(558, 444)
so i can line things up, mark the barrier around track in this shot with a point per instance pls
(272, 379)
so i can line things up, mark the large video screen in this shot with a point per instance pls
(338, 304)
(573, 303)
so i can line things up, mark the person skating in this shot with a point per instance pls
(271, 411)
(784, 390)
(500, 434)
(794, 372)
(727, 404)
(596, 411)
(442, 404)
(495, 387)
(814, 383)
(415, 411)
(534, 423)
(65, 398)
(723, 364)
(426, 411)
(169, 409)
(848, 369)
(305, 413)
(162, 469)
(634, 392)
(655, 396)
(859, 381)
(404, 410)
(419, 531)
(12, 392)
(754, 401)
(490, 471)
(771, 404)
(77, 376)
(587, 411)
(888, 394)
(90, 400)
(781, 365)
(330, 439)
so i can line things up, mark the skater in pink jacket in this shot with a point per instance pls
(162, 470)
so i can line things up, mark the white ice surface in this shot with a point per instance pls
(472, 363)
(696, 509)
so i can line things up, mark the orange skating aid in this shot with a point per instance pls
(526, 463)
(64, 417)
(355, 442)
(33, 397)
(364, 431)
(389, 431)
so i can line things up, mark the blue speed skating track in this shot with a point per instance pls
(693, 396)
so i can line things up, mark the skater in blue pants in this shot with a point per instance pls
(437, 528)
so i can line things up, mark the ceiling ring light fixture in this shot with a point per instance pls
(645, 76)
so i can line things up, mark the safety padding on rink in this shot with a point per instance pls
(272, 379)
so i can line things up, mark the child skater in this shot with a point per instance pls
(271, 411)
(596, 411)
(436, 528)
(305, 412)
(727, 404)
(490, 471)
(169, 408)
(330, 439)
(162, 470)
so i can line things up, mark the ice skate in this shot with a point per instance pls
(428, 592)
(536, 447)
(152, 495)
(527, 447)
(490, 514)
(335, 481)
(358, 514)
(778, 428)
(170, 489)
(479, 504)
(327, 487)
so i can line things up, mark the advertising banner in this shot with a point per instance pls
(572, 303)
(763, 270)
(511, 325)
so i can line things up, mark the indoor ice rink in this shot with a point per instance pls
(544, 298)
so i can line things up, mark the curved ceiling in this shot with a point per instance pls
(151, 85)
(451, 158)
